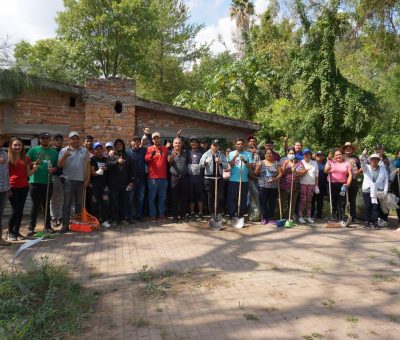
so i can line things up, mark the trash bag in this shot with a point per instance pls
(387, 201)
(254, 202)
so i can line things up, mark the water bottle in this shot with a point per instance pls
(343, 190)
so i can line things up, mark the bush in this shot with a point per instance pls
(42, 302)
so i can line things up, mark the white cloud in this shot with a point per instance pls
(28, 20)
(260, 6)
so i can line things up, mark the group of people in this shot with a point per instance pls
(121, 184)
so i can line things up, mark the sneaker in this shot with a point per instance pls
(30, 232)
(19, 237)
(11, 237)
(105, 224)
(263, 221)
(382, 223)
(376, 226)
(163, 219)
(367, 225)
(302, 220)
(48, 230)
(309, 220)
(4, 243)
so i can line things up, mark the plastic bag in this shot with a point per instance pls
(387, 201)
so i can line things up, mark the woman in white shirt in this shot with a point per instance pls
(375, 179)
(308, 185)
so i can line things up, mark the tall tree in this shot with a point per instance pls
(242, 11)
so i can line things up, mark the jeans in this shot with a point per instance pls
(233, 196)
(179, 195)
(17, 201)
(3, 199)
(371, 210)
(137, 195)
(157, 188)
(73, 190)
(209, 185)
(118, 202)
(318, 202)
(38, 194)
(98, 203)
(56, 201)
(353, 189)
(338, 201)
(268, 197)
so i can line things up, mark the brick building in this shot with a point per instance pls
(107, 109)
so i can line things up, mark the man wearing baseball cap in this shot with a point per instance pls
(57, 196)
(74, 160)
(40, 183)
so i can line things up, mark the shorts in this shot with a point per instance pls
(196, 192)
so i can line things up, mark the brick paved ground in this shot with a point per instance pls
(301, 283)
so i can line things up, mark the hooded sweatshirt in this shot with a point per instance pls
(120, 174)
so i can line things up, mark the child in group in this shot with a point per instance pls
(308, 186)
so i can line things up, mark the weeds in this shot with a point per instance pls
(353, 335)
(379, 277)
(250, 316)
(313, 336)
(352, 319)
(395, 251)
(328, 303)
(141, 322)
(42, 301)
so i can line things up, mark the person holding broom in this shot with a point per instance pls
(40, 184)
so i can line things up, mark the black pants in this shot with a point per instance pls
(353, 189)
(233, 191)
(38, 195)
(318, 202)
(118, 202)
(179, 195)
(268, 197)
(17, 201)
(98, 204)
(371, 210)
(338, 201)
(209, 185)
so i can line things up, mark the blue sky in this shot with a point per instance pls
(32, 20)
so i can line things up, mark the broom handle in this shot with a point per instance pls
(240, 188)
(215, 189)
(46, 206)
(279, 198)
(330, 196)
(291, 195)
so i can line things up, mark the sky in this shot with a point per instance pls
(32, 20)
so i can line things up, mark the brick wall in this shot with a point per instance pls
(101, 118)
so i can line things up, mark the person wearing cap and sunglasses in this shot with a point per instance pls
(46, 157)
(56, 201)
(375, 179)
(214, 163)
(4, 183)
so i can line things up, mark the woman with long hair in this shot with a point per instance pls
(19, 171)
(340, 176)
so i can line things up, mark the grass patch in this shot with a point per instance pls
(392, 262)
(352, 319)
(275, 267)
(313, 336)
(250, 316)
(328, 303)
(392, 318)
(43, 302)
(145, 274)
(140, 323)
(353, 335)
(379, 277)
(395, 251)
(317, 268)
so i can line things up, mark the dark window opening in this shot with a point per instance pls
(118, 107)
(72, 101)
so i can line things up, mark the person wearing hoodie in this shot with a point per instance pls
(121, 175)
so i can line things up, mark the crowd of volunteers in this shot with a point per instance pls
(148, 181)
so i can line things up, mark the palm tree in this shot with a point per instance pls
(242, 11)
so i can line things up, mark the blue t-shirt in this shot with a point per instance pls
(235, 170)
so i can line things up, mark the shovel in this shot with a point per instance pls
(215, 222)
(331, 222)
(280, 223)
(290, 223)
(238, 222)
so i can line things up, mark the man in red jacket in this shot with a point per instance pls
(156, 158)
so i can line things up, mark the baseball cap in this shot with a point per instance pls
(306, 151)
(58, 135)
(44, 135)
(378, 146)
(109, 145)
(89, 137)
(375, 155)
(193, 138)
(73, 134)
(319, 153)
(155, 134)
(215, 142)
(96, 145)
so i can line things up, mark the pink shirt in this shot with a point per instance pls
(339, 172)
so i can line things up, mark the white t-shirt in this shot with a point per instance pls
(312, 173)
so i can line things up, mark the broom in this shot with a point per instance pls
(332, 223)
(84, 222)
(290, 223)
(280, 223)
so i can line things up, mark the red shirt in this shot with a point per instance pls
(18, 176)
(157, 163)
